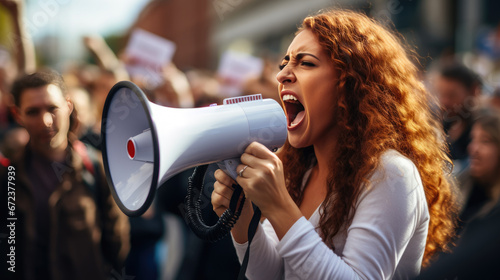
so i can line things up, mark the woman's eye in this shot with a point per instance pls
(306, 63)
(282, 66)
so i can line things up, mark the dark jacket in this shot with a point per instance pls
(476, 255)
(89, 235)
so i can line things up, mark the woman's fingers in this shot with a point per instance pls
(223, 191)
(259, 151)
(260, 175)
(220, 200)
(262, 178)
(242, 170)
(223, 178)
(257, 158)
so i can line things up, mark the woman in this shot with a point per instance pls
(478, 248)
(358, 190)
(480, 186)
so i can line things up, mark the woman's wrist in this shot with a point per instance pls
(283, 218)
(240, 229)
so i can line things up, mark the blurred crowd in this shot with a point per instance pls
(160, 246)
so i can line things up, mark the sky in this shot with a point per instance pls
(70, 20)
(67, 17)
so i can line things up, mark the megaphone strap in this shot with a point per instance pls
(252, 228)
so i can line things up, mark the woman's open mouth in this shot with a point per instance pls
(294, 110)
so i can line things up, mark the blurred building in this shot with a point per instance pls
(203, 29)
(186, 23)
(265, 25)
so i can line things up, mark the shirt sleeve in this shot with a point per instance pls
(384, 222)
(264, 261)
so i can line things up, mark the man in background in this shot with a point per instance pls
(68, 225)
(458, 89)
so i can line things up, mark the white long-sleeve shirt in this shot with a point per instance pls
(386, 239)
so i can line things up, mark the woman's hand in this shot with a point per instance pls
(221, 196)
(223, 191)
(263, 182)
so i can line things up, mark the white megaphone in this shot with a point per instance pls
(145, 144)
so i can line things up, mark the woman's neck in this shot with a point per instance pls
(325, 154)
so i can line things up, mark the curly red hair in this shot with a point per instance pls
(382, 105)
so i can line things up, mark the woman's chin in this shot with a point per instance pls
(296, 142)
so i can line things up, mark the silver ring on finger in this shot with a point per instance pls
(241, 171)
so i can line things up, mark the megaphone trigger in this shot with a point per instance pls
(229, 167)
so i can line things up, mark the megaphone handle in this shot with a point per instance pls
(193, 210)
(225, 222)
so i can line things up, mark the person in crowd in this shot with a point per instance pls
(23, 54)
(6, 121)
(457, 88)
(174, 91)
(265, 83)
(67, 223)
(360, 189)
(477, 252)
(20, 40)
(99, 82)
(99, 89)
(104, 56)
(14, 140)
(145, 234)
(204, 87)
(494, 100)
(479, 188)
(83, 105)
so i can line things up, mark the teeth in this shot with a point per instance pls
(288, 97)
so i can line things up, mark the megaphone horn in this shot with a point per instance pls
(145, 144)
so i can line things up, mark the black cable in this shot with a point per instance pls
(226, 221)
(193, 211)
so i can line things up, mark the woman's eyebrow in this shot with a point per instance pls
(299, 56)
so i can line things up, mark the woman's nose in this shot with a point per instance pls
(285, 75)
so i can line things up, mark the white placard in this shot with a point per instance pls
(234, 69)
(147, 54)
